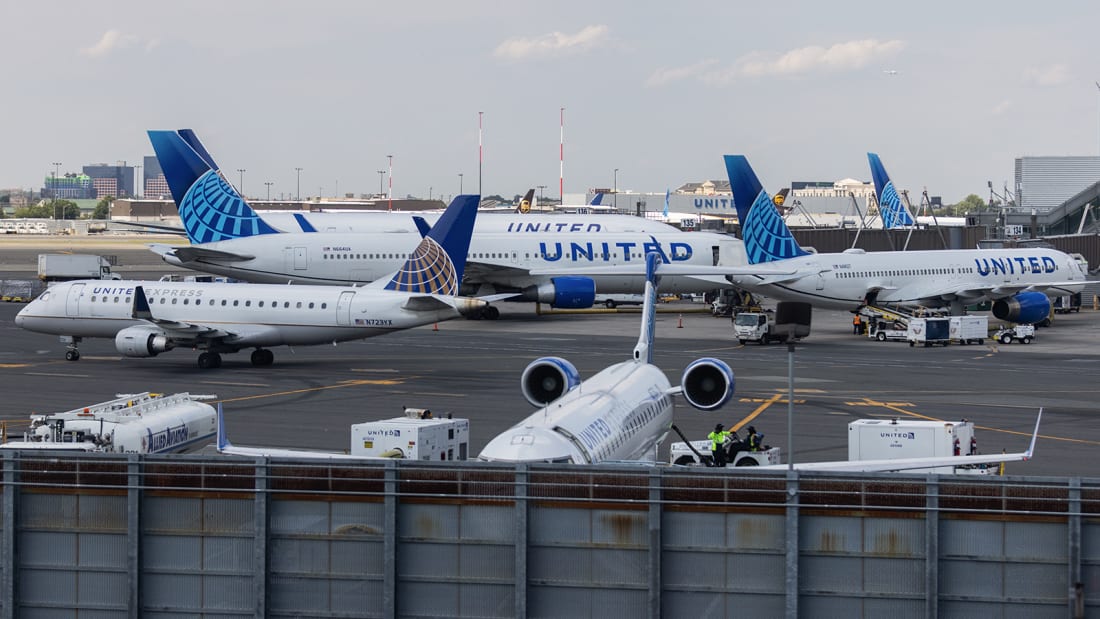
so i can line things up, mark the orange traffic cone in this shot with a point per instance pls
(435, 327)
(680, 325)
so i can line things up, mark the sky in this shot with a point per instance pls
(947, 93)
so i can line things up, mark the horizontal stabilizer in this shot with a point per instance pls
(194, 253)
(426, 303)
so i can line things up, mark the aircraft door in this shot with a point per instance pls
(301, 259)
(714, 255)
(343, 308)
(821, 281)
(515, 257)
(72, 302)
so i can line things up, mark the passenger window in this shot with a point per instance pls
(299, 305)
(236, 303)
(248, 303)
(174, 301)
(286, 304)
(324, 305)
(261, 303)
(311, 306)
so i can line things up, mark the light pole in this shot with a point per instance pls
(460, 183)
(240, 187)
(381, 178)
(390, 158)
(139, 183)
(615, 188)
(56, 173)
(299, 171)
(541, 187)
(269, 184)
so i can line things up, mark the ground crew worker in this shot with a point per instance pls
(753, 439)
(857, 326)
(718, 445)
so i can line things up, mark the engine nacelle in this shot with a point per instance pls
(547, 379)
(707, 383)
(571, 292)
(1025, 308)
(142, 341)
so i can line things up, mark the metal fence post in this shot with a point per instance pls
(521, 480)
(932, 547)
(133, 534)
(791, 579)
(389, 542)
(7, 538)
(259, 536)
(1073, 530)
(655, 505)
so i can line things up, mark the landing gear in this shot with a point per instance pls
(262, 357)
(210, 360)
(72, 353)
(490, 313)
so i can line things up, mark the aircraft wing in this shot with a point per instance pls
(950, 292)
(905, 464)
(426, 303)
(195, 333)
(478, 271)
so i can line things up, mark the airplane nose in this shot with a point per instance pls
(19, 317)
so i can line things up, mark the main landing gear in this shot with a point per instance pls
(210, 360)
(262, 357)
(72, 353)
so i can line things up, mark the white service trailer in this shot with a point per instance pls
(416, 436)
(889, 439)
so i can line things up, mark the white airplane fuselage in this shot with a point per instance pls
(621, 413)
(496, 260)
(843, 280)
(265, 315)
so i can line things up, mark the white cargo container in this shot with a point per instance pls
(416, 436)
(969, 329)
(929, 331)
(61, 267)
(890, 439)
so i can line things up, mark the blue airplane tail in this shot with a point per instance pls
(893, 212)
(437, 263)
(766, 236)
(223, 439)
(209, 207)
(643, 350)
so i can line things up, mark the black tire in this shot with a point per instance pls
(490, 313)
(1026, 339)
(912, 343)
(262, 357)
(747, 461)
(980, 341)
(609, 304)
(881, 336)
(72, 355)
(685, 461)
(1006, 338)
(742, 342)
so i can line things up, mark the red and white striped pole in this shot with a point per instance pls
(479, 158)
(561, 161)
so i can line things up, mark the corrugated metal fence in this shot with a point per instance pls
(169, 537)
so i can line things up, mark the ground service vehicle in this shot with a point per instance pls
(891, 439)
(758, 327)
(1068, 303)
(969, 329)
(929, 331)
(611, 301)
(143, 423)
(62, 267)
(882, 330)
(416, 436)
(1018, 333)
(698, 454)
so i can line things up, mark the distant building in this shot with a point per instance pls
(121, 175)
(1043, 183)
(69, 186)
(153, 183)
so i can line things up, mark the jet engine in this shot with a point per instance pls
(1025, 308)
(707, 383)
(571, 292)
(142, 341)
(547, 379)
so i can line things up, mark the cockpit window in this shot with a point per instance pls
(45, 296)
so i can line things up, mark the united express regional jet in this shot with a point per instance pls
(621, 413)
(148, 318)
(229, 238)
(1018, 281)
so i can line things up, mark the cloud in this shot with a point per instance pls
(1001, 107)
(552, 44)
(1052, 75)
(660, 77)
(110, 41)
(847, 56)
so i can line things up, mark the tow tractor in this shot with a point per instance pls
(697, 453)
(1021, 333)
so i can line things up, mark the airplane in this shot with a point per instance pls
(893, 212)
(621, 413)
(147, 318)
(1018, 281)
(229, 238)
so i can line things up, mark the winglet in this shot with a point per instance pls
(1034, 435)
(209, 207)
(643, 350)
(437, 263)
(766, 236)
(303, 223)
(890, 208)
(223, 438)
(141, 309)
(422, 226)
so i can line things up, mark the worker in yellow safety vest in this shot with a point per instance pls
(718, 445)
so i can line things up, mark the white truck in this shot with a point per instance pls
(1015, 333)
(416, 436)
(890, 439)
(881, 329)
(929, 331)
(143, 423)
(756, 327)
(969, 329)
(62, 267)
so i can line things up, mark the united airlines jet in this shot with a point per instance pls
(148, 318)
(1018, 281)
(229, 238)
(890, 208)
(621, 413)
